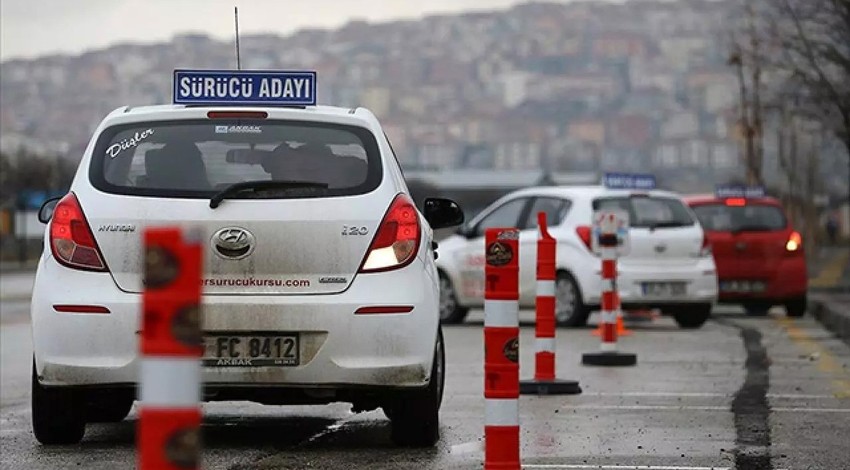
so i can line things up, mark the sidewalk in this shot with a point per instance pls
(829, 270)
(833, 311)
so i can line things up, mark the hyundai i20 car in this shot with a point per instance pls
(760, 257)
(669, 265)
(312, 246)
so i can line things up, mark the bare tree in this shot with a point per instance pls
(812, 51)
(748, 60)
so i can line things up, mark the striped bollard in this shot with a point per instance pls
(501, 349)
(608, 354)
(171, 350)
(544, 382)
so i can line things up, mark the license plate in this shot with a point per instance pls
(664, 289)
(742, 286)
(262, 350)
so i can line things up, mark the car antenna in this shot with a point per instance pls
(236, 23)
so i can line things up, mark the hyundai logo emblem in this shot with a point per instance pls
(233, 243)
(660, 248)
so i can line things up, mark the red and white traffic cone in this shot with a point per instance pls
(171, 351)
(501, 350)
(608, 354)
(544, 382)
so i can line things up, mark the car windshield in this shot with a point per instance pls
(751, 217)
(202, 157)
(648, 211)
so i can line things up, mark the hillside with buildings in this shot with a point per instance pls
(578, 87)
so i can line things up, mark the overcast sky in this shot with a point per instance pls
(30, 28)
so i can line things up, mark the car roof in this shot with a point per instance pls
(587, 192)
(697, 199)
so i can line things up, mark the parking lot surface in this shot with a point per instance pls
(741, 392)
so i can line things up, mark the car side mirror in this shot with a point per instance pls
(442, 213)
(45, 213)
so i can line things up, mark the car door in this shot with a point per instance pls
(555, 210)
(506, 214)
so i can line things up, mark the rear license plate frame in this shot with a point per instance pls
(218, 352)
(742, 286)
(664, 289)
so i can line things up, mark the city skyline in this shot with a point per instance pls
(33, 29)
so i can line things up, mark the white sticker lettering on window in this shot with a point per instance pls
(115, 149)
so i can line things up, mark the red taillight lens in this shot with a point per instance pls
(583, 232)
(397, 241)
(237, 115)
(736, 202)
(795, 242)
(71, 239)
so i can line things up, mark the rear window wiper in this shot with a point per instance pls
(670, 224)
(235, 188)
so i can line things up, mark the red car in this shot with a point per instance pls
(759, 257)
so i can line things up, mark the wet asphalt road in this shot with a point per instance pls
(745, 393)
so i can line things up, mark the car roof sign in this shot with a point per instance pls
(628, 181)
(244, 87)
(738, 191)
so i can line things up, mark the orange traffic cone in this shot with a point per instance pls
(597, 331)
(621, 327)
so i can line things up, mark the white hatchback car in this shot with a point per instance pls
(669, 266)
(311, 238)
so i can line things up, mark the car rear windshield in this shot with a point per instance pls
(199, 158)
(649, 211)
(751, 217)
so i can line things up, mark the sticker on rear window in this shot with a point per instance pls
(115, 149)
(238, 130)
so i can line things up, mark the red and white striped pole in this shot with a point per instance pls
(544, 382)
(171, 350)
(501, 350)
(607, 245)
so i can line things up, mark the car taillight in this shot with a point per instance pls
(583, 232)
(397, 241)
(71, 240)
(794, 243)
(705, 249)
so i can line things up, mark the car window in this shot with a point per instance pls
(197, 158)
(649, 211)
(505, 215)
(751, 217)
(554, 208)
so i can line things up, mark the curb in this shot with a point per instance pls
(826, 313)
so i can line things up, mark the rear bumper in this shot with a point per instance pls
(700, 279)
(338, 348)
(785, 281)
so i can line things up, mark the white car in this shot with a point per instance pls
(669, 266)
(312, 242)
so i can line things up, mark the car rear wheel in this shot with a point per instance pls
(58, 414)
(757, 309)
(415, 417)
(796, 307)
(451, 311)
(692, 317)
(569, 308)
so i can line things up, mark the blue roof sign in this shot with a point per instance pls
(737, 190)
(628, 181)
(244, 87)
